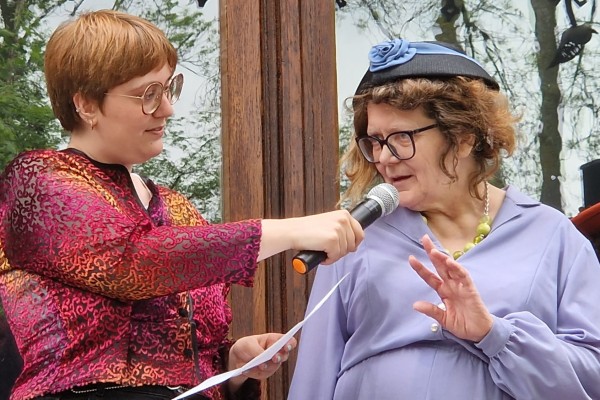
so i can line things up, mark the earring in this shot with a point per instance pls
(489, 138)
(92, 123)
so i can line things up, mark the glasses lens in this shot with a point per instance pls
(366, 144)
(401, 145)
(174, 89)
(152, 97)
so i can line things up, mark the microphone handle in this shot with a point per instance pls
(306, 260)
(366, 212)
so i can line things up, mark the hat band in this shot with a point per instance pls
(400, 51)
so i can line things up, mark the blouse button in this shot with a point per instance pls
(188, 353)
(434, 327)
(182, 312)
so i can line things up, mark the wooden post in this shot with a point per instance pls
(280, 143)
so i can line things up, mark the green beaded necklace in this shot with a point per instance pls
(483, 229)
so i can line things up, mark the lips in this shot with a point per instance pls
(157, 131)
(400, 178)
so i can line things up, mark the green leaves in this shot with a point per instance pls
(191, 162)
(26, 120)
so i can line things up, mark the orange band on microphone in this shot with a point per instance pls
(299, 266)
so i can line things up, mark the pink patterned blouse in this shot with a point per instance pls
(98, 289)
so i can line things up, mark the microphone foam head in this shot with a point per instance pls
(386, 195)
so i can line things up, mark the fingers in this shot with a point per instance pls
(283, 354)
(268, 368)
(345, 239)
(248, 347)
(427, 243)
(341, 234)
(263, 371)
(335, 233)
(446, 267)
(457, 272)
(429, 277)
(357, 232)
(438, 259)
(244, 350)
(287, 349)
(430, 310)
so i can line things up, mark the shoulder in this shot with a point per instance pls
(30, 165)
(32, 158)
(53, 165)
(37, 160)
(548, 222)
(532, 207)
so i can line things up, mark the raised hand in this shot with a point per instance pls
(465, 315)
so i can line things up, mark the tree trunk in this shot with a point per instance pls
(550, 140)
(448, 26)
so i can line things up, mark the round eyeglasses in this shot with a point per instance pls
(153, 94)
(401, 144)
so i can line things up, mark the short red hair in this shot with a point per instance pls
(98, 51)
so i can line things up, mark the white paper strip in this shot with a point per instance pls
(262, 357)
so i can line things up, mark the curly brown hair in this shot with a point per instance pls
(461, 107)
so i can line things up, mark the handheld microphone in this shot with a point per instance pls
(380, 201)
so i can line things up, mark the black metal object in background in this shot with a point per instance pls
(590, 173)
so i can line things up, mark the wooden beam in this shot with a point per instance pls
(280, 142)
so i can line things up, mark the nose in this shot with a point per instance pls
(386, 157)
(165, 109)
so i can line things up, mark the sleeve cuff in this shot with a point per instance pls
(497, 337)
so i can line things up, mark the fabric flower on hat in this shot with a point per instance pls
(397, 59)
(390, 53)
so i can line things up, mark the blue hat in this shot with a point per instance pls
(400, 59)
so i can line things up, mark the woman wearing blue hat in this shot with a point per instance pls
(466, 291)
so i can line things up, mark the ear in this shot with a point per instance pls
(466, 145)
(86, 108)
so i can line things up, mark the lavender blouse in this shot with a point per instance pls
(537, 275)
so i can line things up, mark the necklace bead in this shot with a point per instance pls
(483, 228)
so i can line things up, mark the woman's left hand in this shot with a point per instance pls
(465, 316)
(248, 347)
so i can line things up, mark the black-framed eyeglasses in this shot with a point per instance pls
(153, 94)
(401, 144)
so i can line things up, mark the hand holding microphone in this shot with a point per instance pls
(380, 201)
(334, 232)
